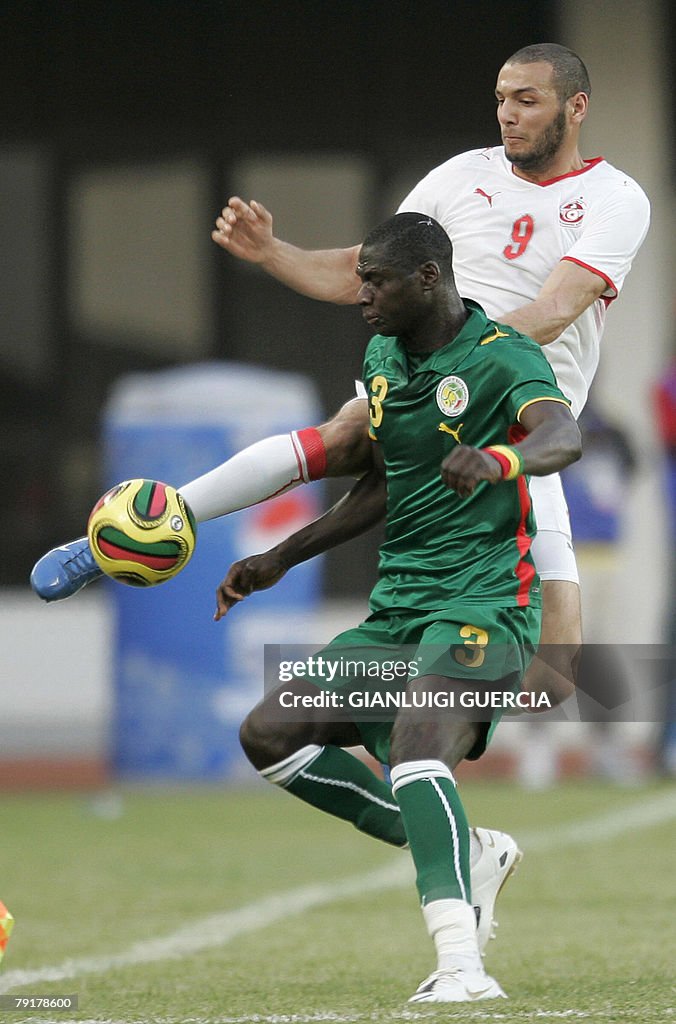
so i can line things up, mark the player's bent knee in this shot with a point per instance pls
(446, 734)
(266, 740)
(263, 745)
(252, 741)
(414, 741)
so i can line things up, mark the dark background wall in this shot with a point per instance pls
(401, 85)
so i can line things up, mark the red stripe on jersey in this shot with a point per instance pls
(599, 273)
(588, 164)
(525, 571)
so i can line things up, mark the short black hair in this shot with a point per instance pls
(570, 74)
(411, 239)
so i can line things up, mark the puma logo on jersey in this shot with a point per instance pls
(488, 197)
(497, 333)
(453, 431)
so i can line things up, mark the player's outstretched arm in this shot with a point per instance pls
(553, 441)
(246, 231)
(356, 512)
(567, 292)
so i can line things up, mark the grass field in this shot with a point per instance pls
(207, 906)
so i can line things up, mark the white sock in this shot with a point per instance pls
(452, 925)
(263, 470)
(284, 772)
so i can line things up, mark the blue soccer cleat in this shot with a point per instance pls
(65, 570)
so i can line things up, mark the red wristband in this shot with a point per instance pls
(502, 459)
(510, 459)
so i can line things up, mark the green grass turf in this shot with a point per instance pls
(586, 931)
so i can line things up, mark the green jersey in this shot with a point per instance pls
(439, 548)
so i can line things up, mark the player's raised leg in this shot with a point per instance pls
(262, 471)
(307, 761)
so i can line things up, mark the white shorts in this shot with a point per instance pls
(552, 549)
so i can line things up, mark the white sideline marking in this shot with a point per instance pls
(658, 811)
(373, 1017)
(220, 929)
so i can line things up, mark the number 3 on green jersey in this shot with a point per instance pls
(379, 390)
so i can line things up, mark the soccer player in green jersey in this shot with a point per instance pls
(462, 410)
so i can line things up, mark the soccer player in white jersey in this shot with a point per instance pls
(543, 239)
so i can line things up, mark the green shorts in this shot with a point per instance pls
(482, 645)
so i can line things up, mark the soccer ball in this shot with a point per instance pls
(141, 532)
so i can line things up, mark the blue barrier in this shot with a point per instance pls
(182, 682)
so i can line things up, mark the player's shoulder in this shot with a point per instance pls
(494, 332)
(505, 345)
(609, 180)
(470, 160)
(378, 349)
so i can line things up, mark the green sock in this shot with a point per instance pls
(337, 782)
(437, 829)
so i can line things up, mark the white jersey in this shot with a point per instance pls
(508, 235)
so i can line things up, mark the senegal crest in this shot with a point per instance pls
(452, 396)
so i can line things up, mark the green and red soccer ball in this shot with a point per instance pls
(141, 532)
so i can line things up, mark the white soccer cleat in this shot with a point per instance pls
(457, 985)
(499, 859)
